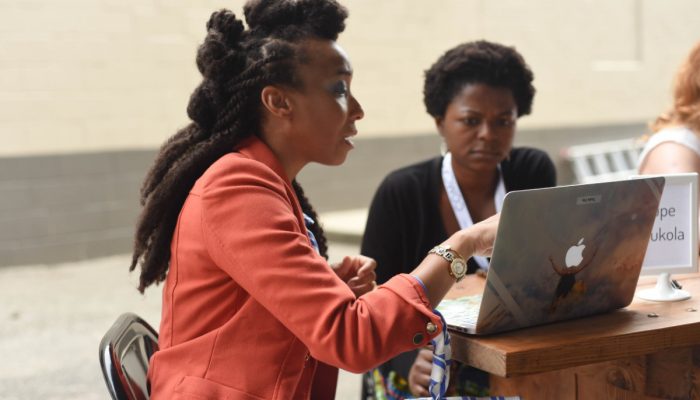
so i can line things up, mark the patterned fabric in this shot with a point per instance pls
(308, 221)
(392, 387)
(442, 359)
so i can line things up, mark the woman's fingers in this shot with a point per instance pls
(419, 375)
(485, 235)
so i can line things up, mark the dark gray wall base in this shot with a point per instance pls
(68, 207)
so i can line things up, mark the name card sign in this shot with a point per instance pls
(673, 246)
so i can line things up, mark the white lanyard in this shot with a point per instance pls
(459, 207)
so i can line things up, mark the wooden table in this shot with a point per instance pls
(625, 354)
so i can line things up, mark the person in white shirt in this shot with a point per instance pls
(674, 145)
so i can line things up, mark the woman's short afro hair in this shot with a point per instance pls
(477, 62)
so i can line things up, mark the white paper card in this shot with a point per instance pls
(673, 246)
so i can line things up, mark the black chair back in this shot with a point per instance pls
(125, 351)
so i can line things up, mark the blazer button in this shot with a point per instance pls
(418, 338)
(431, 328)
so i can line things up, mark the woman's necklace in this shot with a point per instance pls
(459, 206)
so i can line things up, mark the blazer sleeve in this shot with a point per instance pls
(252, 233)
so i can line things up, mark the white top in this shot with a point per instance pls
(678, 134)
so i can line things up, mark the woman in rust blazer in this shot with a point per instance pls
(251, 308)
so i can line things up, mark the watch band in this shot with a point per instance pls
(445, 252)
(457, 264)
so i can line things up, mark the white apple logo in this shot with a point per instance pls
(574, 255)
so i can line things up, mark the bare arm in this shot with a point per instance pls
(670, 157)
(476, 240)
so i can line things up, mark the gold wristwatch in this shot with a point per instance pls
(458, 267)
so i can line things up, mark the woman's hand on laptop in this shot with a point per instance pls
(476, 240)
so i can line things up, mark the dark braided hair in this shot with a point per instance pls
(236, 64)
(477, 62)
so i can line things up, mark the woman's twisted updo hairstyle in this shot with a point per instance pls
(236, 64)
(477, 62)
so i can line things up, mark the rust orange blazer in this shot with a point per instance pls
(251, 311)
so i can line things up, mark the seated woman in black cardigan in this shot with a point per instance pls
(475, 93)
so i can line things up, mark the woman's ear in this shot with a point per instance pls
(276, 101)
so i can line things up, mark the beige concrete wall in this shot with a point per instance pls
(595, 61)
(85, 75)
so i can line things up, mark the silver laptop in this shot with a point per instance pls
(562, 253)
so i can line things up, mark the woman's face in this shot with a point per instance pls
(478, 126)
(325, 110)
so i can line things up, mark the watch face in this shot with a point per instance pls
(459, 267)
